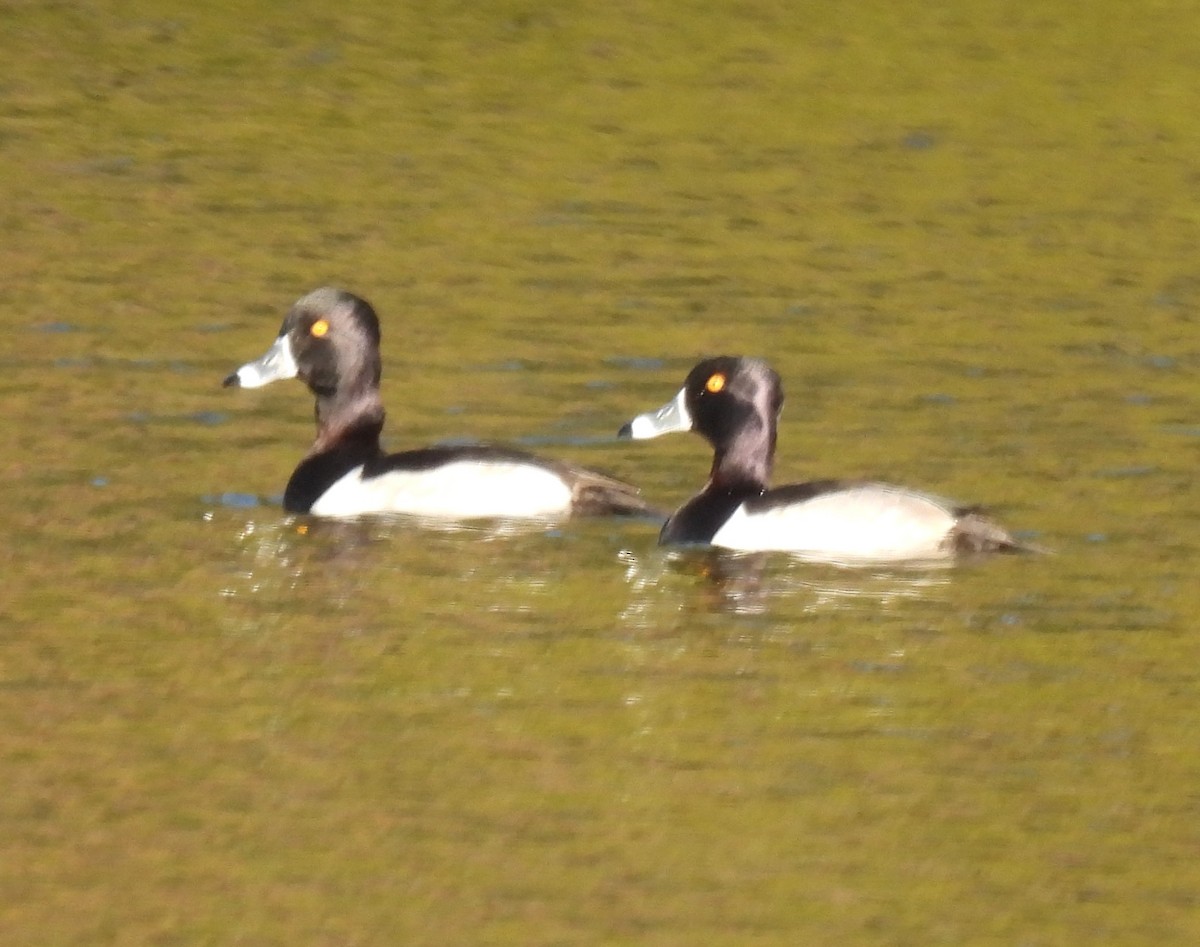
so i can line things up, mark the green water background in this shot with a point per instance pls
(964, 234)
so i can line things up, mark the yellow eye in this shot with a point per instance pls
(715, 383)
(320, 327)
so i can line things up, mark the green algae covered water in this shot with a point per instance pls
(966, 239)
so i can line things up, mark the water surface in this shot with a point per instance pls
(964, 237)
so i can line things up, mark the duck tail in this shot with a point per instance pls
(976, 533)
(597, 494)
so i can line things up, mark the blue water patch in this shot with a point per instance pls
(99, 481)
(919, 141)
(939, 398)
(878, 667)
(563, 440)
(635, 363)
(321, 55)
(1166, 299)
(206, 418)
(105, 164)
(57, 328)
(210, 418)
(511, 365)
(234, 500)
(1118, 473)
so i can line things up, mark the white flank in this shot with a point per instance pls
(866, 522)
(458, 490)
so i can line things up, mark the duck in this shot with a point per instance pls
(734, 403)
(330, 340)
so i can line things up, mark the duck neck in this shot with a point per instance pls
(744, 463)
(349, 420)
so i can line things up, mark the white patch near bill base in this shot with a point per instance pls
(670, 418)
(277, 363)
(866, 522)
(467, 489)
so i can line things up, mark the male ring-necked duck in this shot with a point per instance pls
(734, 403)
(330, 341)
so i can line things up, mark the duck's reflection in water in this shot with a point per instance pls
(747, 583)
(279, 562)
(279, 555)
(271, 555)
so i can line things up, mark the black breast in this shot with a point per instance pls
(698, 520)
(318, 473)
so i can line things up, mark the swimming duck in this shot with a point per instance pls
(330, 341)
(734, 403)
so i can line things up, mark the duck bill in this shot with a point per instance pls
(277, 363)
(671, 417)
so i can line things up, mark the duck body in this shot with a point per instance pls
(459, 482)
(735, 403)
(330, 341)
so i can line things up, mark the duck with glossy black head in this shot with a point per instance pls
(330, 341)
(734, 403)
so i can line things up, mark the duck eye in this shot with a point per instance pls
(319, 328)
(715, 383)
